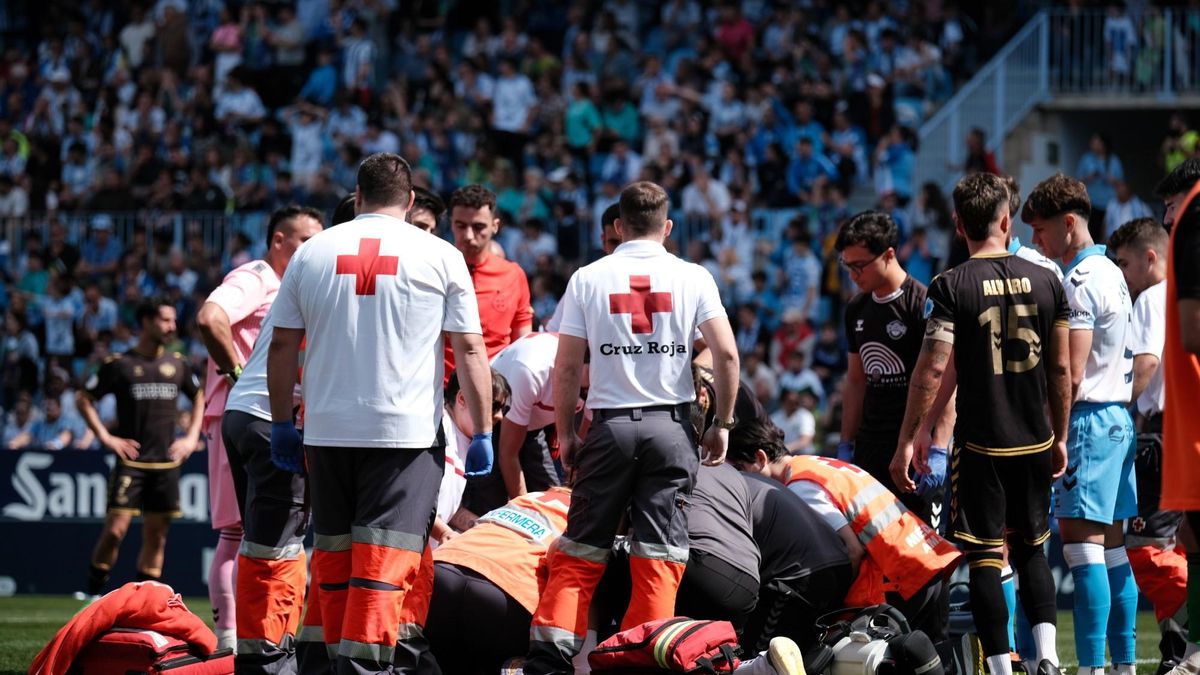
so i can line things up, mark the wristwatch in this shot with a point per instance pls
(233, 375)
(723, 424)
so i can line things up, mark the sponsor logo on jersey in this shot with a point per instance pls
(858, 326)
(928, 307)
(882, 366)
(138, 371)
(154, 391)
(166, 369)
(896, 329)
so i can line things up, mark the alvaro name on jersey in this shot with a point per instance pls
(995, 310)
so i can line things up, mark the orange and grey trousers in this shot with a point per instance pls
(641, 459)
(271, 569)
(372, 511)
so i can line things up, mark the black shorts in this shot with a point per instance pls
(135, 491)
(1150, 522)
(992, 496)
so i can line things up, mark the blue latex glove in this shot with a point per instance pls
(479, 455)
(287, 447)
(937, 471)
(845, 451)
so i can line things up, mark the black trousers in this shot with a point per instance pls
(791, 607)
(713, 589)
(473, 626)
(273, 502)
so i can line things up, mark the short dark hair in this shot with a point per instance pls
(148, 307)
(1143, 233)
(1055, 196)
(643, 208)
(1014, 195)
(978, 198)
(750, 436)
(285, 213)
(344, 212)
(500, 387)
(473, 197)
(610, 215)
(1180, 180)
(385, 179)
(428, 200)
(873, 229)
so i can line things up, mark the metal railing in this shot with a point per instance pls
(212, 229)
(995, 100)
(1154, 54)
(215, 231)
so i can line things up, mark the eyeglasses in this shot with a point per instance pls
(857, 267)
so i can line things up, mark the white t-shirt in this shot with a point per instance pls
(528, 365)
(796, 426)
(1148, 335)
(1099, 301)
(511, 101)
(815, 496)
(249, 394)
(639, 309)
(373, 296)
(454, 481)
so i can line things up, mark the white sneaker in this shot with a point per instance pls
(85, 597)
(1190, 665)
(785, 657)
(1091, 670)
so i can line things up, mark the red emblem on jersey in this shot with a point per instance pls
(367, 265)
(640, 303)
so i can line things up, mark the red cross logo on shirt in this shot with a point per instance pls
(367, 265)
(639, 303)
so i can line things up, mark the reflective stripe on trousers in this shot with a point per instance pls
(270, 599)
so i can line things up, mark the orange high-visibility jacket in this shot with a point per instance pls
(508, 545)
(1181, 370)
(903, 552)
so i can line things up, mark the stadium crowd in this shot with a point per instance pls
(524, 126)
(134, 115)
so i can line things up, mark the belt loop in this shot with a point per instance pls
(635, 414)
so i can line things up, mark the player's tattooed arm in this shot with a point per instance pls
(925, 384)
(923, 389)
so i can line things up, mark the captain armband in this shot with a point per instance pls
(940, 330)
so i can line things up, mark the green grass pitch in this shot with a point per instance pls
(28, 622)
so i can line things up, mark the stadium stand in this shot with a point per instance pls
(143, 146)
